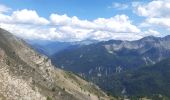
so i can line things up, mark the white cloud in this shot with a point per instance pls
(156, 8)
(64, 20)
(4, 8)
(151, 32)
(165, 22)
(118, 23)
(119, 6)
(32, 32)
(28, 17)
(59, 19)
(28, 24)
(100, 28)
(23, 17)
(156, 12)
(5, 18)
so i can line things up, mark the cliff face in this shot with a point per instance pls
(27, 75)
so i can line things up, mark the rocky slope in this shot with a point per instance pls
(27, 75)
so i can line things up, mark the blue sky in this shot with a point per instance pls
(134, 18)
(84, 9)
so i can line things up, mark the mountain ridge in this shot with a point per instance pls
(99, 62)
(27, 75)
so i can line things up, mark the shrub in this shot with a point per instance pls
(49, 98)
(8, 62)
(64, 89)
(53, 89)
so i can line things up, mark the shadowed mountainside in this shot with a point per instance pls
(100, 62)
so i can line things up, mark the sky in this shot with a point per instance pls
(77, 20)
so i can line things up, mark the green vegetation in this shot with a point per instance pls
(98, 63)
(150, 81)
(49, 98)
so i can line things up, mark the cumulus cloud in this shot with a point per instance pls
(23, 17)
(29, 25)
(151, 31)
(165, 22)
(28, 17)
(156, 8)
(156, 13)
(4, 8)
(100, 28)
(64, 20)
(118, 23)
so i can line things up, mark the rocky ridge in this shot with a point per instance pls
(27, 75)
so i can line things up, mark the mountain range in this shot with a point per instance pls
(105, 64)
(109, 55)
(123, 69)
(49, 48)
